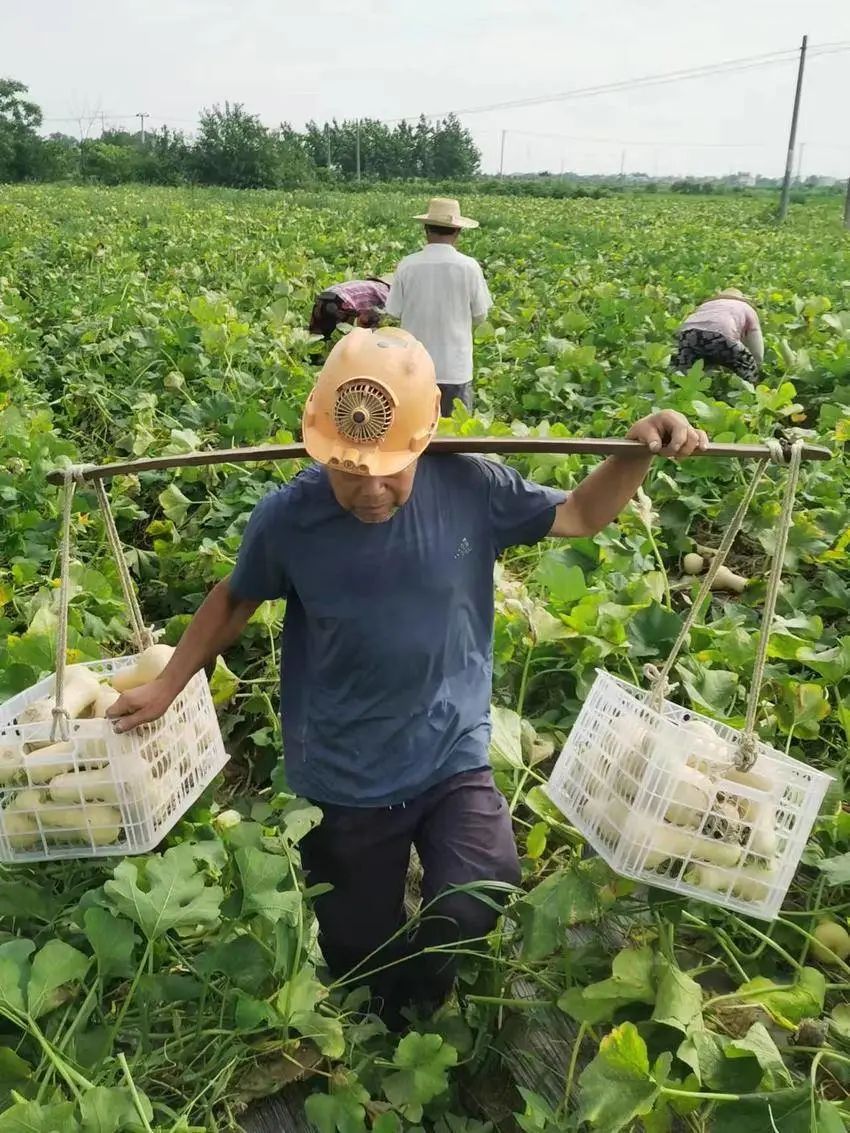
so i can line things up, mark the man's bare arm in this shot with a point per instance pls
(605, 492)
(217, 624)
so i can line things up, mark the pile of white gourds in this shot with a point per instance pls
(44, 787)
(727, 838)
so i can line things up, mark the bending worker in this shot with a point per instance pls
(385, 554)
(359, 301)
(725, 332)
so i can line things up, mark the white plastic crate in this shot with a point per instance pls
(656, 794)
(148, 777)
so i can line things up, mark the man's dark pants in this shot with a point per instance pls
(448, 393)
(461, 829)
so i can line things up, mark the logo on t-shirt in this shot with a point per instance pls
(463, 548)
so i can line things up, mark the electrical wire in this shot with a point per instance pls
(749, 63)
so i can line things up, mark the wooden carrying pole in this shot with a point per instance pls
(504, 446)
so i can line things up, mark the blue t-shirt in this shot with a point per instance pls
(386, 666)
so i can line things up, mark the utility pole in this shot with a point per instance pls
(502, 154)
(792, 137)
(142, 118)
(622, 165)
(800, 163)
(328, 143)
(847, 206)
(357, 150)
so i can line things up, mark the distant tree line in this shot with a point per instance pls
(232, 148)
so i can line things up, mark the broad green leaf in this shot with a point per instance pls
(168, 892)
(342, 1110)
(565, 584)
(652, 631)
(758, 1043)
(113, 940)
(712, 691)
(789, 1004)
(631, 981)
(787, 1111)
(53, 966)
(112, 1110)
(223, 684)
(174, 504)
(505, 739)
(15, 974)
(678, 1002)
(267, 886)
(298, 819)
(30, 1117)
(15, 1074)
(243, 960)
(836, 870)
(618, 1085)
(388, 1122)
(423, 1062)
(840, 1020)
(563, 899)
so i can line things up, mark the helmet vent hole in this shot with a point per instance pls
(362, 412)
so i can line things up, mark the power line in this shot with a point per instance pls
(729, 66)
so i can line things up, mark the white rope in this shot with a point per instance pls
(142, 636)
(660, 686)
(748, 749)
(72, 476)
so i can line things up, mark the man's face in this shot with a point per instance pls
(372, 499)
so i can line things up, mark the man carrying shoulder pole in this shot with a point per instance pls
(384, 553)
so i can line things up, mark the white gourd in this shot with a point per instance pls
(11, 764)
(42, 765)
(149, 665)
(690, 798)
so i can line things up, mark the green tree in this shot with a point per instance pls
(453, 152)
(19, 140)
(234, 148)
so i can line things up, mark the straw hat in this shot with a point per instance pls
(387, 279)
(445, 213)
(732, 293)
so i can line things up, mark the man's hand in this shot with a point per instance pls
(668, 433)
(141, 705)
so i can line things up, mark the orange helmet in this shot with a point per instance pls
(375, 405)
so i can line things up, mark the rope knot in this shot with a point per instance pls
(61, 721)
(747, 752)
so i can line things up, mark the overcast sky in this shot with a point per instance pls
(298, 60)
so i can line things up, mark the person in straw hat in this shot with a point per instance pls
(439, 295)
(385, 555)
(359, 301)
(725, 332)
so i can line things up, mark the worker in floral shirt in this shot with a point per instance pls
(384, 554)
(359, 301)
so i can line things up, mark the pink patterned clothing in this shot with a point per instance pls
(361, 294)
(735, 320)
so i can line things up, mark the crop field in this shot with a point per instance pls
(167, 993)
